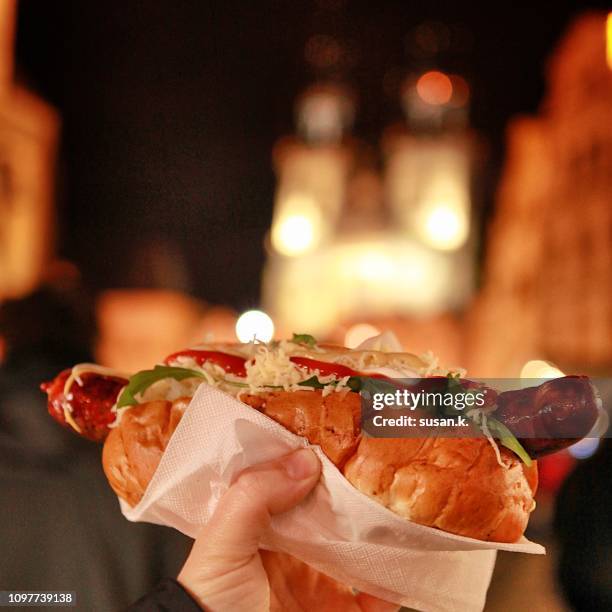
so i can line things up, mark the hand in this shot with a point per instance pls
(224, 571)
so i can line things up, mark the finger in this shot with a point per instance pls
(244, 512)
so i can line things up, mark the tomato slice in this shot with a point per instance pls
(233, 364)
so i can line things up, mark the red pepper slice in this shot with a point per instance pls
(325, 368)
(233, 364)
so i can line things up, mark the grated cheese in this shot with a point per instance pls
(269, 367)
(75, 376)
(68, 418)
(272, 367)
(89, 368)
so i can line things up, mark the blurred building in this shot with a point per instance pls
(548, 270)
(350, 244)
(140, 327)
(29, 130)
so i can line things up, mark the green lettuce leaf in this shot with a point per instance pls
(313, 382)
(143, 380)
(508, 439)
(355, 383)
(306, 339)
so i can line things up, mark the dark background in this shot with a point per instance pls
(170, 110)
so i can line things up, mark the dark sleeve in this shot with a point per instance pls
(167, 596)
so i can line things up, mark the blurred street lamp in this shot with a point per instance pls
(297, 229)
(444, 225)
(312, 171)
(254, 325)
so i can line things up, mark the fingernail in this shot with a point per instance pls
(301, 464)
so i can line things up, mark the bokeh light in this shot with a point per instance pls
(444, 226)
(435, 88)
(298, 229)
(293, 235)
(359, 333)
(461, 91)
(585, 448)
(254, 325)
(540, 369)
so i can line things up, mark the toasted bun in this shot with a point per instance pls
(333, 422)
(366, 358)
(456, 485)
(295, 587)
(133, 450)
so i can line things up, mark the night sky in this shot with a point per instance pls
(170, 110)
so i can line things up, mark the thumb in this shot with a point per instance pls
(244, 512)
(223, 570)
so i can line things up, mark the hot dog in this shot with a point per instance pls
(552, 416)
(468, 486)
(87, 407)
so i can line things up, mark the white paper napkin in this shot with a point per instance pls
(336, 529)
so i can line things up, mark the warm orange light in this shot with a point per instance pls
(445, 225)
(434, 88)
(461, 91)
(609, 40)
(139, 327)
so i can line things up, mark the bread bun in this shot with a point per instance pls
(295, 587)
(453, 484)
(333, 421)
(132, 451)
